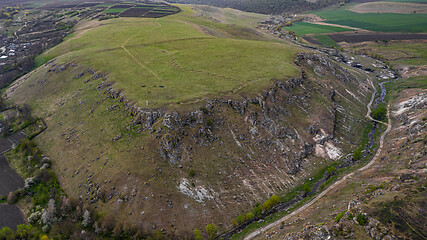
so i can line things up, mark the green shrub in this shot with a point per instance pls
(209, 122)
(212, 230)
(198, 234)
(379, 114)
(275, 199)
(192, 172)
(331, 170)
(357, 154)
(256, 211)
(307, 188)
(240, 219)
(361, 219)
(339, 216)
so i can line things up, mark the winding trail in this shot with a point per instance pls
(334, 185)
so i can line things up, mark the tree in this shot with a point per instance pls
(357, 155)
(307, 187)
(86, 219)
(240, 219)
(256, 211)
(250, 216)
(6, 233)
(212, 230)
(379, 114)
(198, 234)
(275, 199)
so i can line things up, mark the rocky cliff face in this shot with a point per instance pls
(135, 161)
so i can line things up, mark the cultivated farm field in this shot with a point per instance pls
(11, 216)
(384, 22)
(9, 179)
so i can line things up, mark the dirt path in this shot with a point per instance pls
(334, 185)
(341, 26)
(137, 61)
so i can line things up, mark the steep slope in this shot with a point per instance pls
(386, 200)
(179, 122)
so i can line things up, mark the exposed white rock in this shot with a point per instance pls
(198, 193)
(417, 100)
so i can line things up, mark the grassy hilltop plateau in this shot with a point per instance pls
(140, 119)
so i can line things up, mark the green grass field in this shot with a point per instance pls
(114, 10)
(302, 28)
(326, 40)
(384, 22)
(169, 60)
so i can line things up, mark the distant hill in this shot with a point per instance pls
(265, 6)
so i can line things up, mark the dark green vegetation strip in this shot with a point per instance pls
(114, 10)
(384, 22)
(302, 28)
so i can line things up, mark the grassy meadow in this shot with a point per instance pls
(174, 60)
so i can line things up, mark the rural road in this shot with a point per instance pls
(341, 26)
(334, 185)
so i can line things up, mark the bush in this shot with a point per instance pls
(379, 114)
(157, 235)
(212, 230)
(357, 155)
(240, 219)
(331, 170)
(86, 219)
(361, 219)
(6, 233)
(198, 234)
(267, 205)
(307, 188)
(275, 199)
(250, 216)
(256, 211)
(191, 173)
(209, 122)
(339, 216)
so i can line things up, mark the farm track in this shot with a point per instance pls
(338, 25)
(337, 183)
(140, 63)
